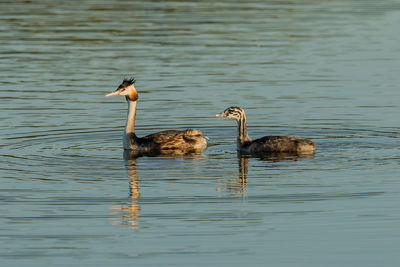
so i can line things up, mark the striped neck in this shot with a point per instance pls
(242, 129)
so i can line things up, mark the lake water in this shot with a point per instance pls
(326, 70)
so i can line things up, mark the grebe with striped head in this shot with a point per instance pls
(266, 144)
(170, 142)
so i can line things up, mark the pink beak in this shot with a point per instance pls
(222, 114)
(113, 93)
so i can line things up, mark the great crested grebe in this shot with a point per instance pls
(166, 142)
(266, 144)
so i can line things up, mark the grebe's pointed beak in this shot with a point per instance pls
(222, 114)
(114, 93)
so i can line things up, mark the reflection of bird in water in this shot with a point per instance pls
(243, 168)
(264, 144)
(165, 142)
(130, 211)
(239, 184)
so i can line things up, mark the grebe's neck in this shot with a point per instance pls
(129, 134)
(242, 130)
(130, 121)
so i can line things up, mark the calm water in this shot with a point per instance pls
(327, 70)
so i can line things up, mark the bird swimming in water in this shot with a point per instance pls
(266, 144)
(172, 142)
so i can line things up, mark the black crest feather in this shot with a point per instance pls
(127, 82)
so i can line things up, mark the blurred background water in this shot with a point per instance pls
(326, 70)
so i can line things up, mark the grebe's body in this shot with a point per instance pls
(266, 144)
(170, 142)
(278, 144)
